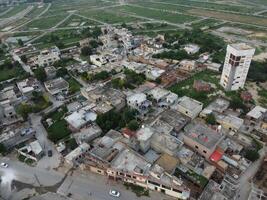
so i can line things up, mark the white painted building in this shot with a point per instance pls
(237, 61)
(48, 57)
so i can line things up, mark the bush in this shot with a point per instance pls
(252, 155)
(40, 74)
(211, 119)
(133, 125)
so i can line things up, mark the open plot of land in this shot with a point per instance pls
(185, 87)
(109, 17)
(164, 6)
(57, 8)
(8, 73)
(215, 6)
(14, 11)
(45, 23)
(230, 17)
(205, 23)
(75, 21)
(156, 14)
(37, 11)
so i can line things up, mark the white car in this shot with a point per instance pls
(114, 193)
(4, 165)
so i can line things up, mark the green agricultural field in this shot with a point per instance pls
(156, 14)
(45, 23)
(14, 11)
(205, 23)
(37, 11)
(215, 6)
(75, 21)
(246, 19)
(109, 17)
(163, 6)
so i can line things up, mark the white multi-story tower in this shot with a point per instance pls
(236, 65)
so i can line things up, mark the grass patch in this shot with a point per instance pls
(138, 190)
(186, 87)
(74, 86)
(58, 130)
(263, 97)
(14, 11)
(109, 17)
(45, 23)
(14, 72)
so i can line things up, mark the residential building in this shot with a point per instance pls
(144, 137)
(80, 118)
(191, 48)
(201, 86)
(48, 57)
(75, 156)
(187, 65)
(33, 151)
(236, 65)
(202, 138)
(56, 86)
(50, 72)
(27, 86)
(188, 106)
(139, 102)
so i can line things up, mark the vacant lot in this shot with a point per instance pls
(230, 17)
(75, 21)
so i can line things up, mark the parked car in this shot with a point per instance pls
(4, 165)
(50, 153)
(114, 193)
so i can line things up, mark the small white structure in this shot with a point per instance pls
(187, 65)
(80, 118)
(256, 113)
(56, 86)
(144, 136)
(138, 101)
(191, 48)
(98, 60)
(27, 86)
(77, 154)
(188, 106)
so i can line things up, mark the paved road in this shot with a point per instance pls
(244, 181)
(80, 185)
(26, 68)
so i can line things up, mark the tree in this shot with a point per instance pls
(211, 119)
(101, 76)
(94, 44)
(237, 103)
(2, 149)
(24, 58)
(40, 74)
(86, 51)
(61, 72)
(24, 110)
(133, 125)
(20, 43)
(252, 155)
(118, 83)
